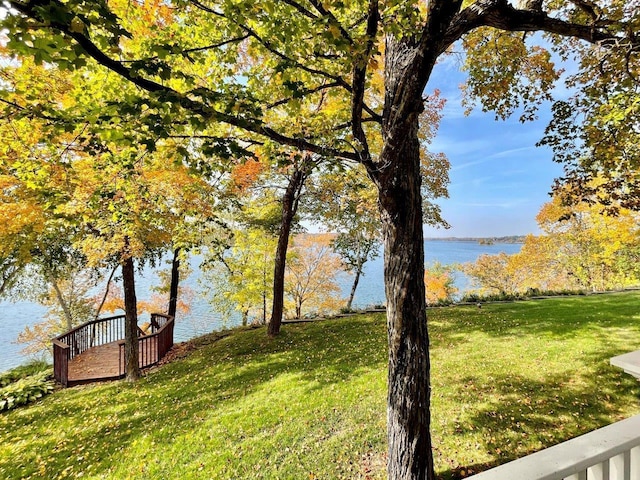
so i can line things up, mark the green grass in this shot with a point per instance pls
(508, 379)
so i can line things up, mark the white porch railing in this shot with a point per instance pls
(609, 453)
(629, 362)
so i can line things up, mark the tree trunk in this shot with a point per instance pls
(106, 293)
(356, 280)
(8, 274)
(290, 202)
(264, 293)
(63, 304)
(175, 280)
(131, 362)
(398, 179)
(408, 402)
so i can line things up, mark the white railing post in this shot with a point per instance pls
(634, 462)
(619, 467)
(599, 471)
(577, 476)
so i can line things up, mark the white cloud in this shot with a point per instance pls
(512, 152)
(457, 147)
(472, 163)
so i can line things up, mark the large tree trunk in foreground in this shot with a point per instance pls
(289, 208)
(408, 401)
(175, 281)
(399, 182)
(132, 367)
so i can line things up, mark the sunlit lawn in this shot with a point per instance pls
(508, 379)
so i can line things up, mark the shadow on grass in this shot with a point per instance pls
(519, 416)
(91, 429)
(181, 396)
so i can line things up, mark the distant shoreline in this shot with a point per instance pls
(512, 239)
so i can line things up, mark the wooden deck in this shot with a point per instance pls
(98, 363)
(94, 351)
(103, 363)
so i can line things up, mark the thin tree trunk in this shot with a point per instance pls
(132, 366)
(68, 317)
(264, 289)
(7, 279)
(290, 203)
(175, 281)
(356, 280)
(106, 293)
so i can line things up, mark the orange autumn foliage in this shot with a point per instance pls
(157, 303)
(245, 174)
(439, 285)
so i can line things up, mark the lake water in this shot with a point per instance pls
(202, 319)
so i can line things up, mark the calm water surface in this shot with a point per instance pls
(202, 319)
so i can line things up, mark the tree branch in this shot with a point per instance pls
(301, 9)
(215, 45)
(501, 15)
(197, 107)
(186, 51)
(339, 81)
(305, 92)
(360, 79)
(269, 46)
(332, 19)
(12, 104)
(31, 114)
(589, 8)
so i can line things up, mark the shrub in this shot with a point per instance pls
(439, 284)
(25, 390)
(475, 297)
(25, 384)
(23, 371)
(441, 302)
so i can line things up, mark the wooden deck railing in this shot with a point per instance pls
(154, 346)
(108, 330)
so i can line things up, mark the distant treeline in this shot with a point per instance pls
(482, 240)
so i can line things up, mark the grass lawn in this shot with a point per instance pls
(508, 379)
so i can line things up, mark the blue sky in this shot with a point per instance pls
(499, 178)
